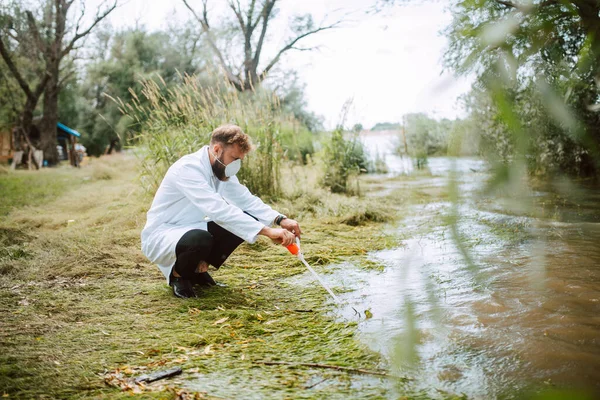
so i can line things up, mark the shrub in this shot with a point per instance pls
(343, 158)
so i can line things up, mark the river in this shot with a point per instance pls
(514, 309)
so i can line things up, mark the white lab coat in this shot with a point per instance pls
(189, 196)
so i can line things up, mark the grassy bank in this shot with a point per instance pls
(82, 309)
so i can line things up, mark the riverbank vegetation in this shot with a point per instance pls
(82, 307)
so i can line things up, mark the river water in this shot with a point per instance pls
(513, 309)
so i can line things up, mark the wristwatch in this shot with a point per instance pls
(280, 218)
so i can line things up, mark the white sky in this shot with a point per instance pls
(389, 63)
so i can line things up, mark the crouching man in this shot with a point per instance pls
(201, 213)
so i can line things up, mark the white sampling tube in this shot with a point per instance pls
(301, 258)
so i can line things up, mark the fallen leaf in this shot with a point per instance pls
(220, 321)
(368, 314)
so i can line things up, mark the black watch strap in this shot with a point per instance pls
(280, 218)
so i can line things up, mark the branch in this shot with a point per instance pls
(290, 46)
(35, 32)
(99, 17)
(265, 14)
(66, 77)
(41, 86)
(14, 70)
(238, 13)
(250, 25)
(13, 36)
(206, 28)
(306, 48)
(507, 3)
(526, 8)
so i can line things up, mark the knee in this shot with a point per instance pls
(195, 240)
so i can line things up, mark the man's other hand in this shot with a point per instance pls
(278, 235)
(291, 225)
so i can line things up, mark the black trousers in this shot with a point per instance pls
(212, 246)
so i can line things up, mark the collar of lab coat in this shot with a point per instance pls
(205, 160)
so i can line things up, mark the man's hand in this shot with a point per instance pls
(291, 225)
(278, 235)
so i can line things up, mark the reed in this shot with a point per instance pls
(178, 120)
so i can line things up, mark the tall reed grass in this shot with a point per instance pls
(175, 121)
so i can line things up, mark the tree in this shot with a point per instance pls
(52, 40)
(23, 65)
(55, 45)
(253, 24)
(119, 61)
(538, 63)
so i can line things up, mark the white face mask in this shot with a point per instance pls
(232, 168)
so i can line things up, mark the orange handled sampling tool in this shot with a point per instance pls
(294, 248)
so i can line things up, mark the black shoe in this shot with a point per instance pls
(182, 288)
(203, 279)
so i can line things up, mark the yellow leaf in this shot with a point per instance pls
(368, 314)
(220, 321)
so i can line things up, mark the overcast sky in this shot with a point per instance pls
(389, 62)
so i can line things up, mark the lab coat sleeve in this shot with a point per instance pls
(194, 185)
(241, 197)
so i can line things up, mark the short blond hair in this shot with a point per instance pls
(231, 134)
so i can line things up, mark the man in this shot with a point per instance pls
(201, 213)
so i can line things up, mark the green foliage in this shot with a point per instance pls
(121, 61)
(426, 136)
(386, 126)
(13, 96)
(179, 120)
(293, 101)
(464, 138)
(535, 99)
(342, 159)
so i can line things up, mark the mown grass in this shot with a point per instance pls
(79, 300)
(32, 187)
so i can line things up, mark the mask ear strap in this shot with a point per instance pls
(215, 156)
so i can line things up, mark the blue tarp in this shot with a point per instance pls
(68, 130)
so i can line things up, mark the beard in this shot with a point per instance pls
(219, 170)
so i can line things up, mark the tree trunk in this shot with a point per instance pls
(25, 123)
(50, 119)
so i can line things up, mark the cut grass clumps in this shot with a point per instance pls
(363, 216)
(85, 303)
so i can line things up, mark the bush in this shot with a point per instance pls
(343, 159)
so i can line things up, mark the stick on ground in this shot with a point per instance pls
(155, 376)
